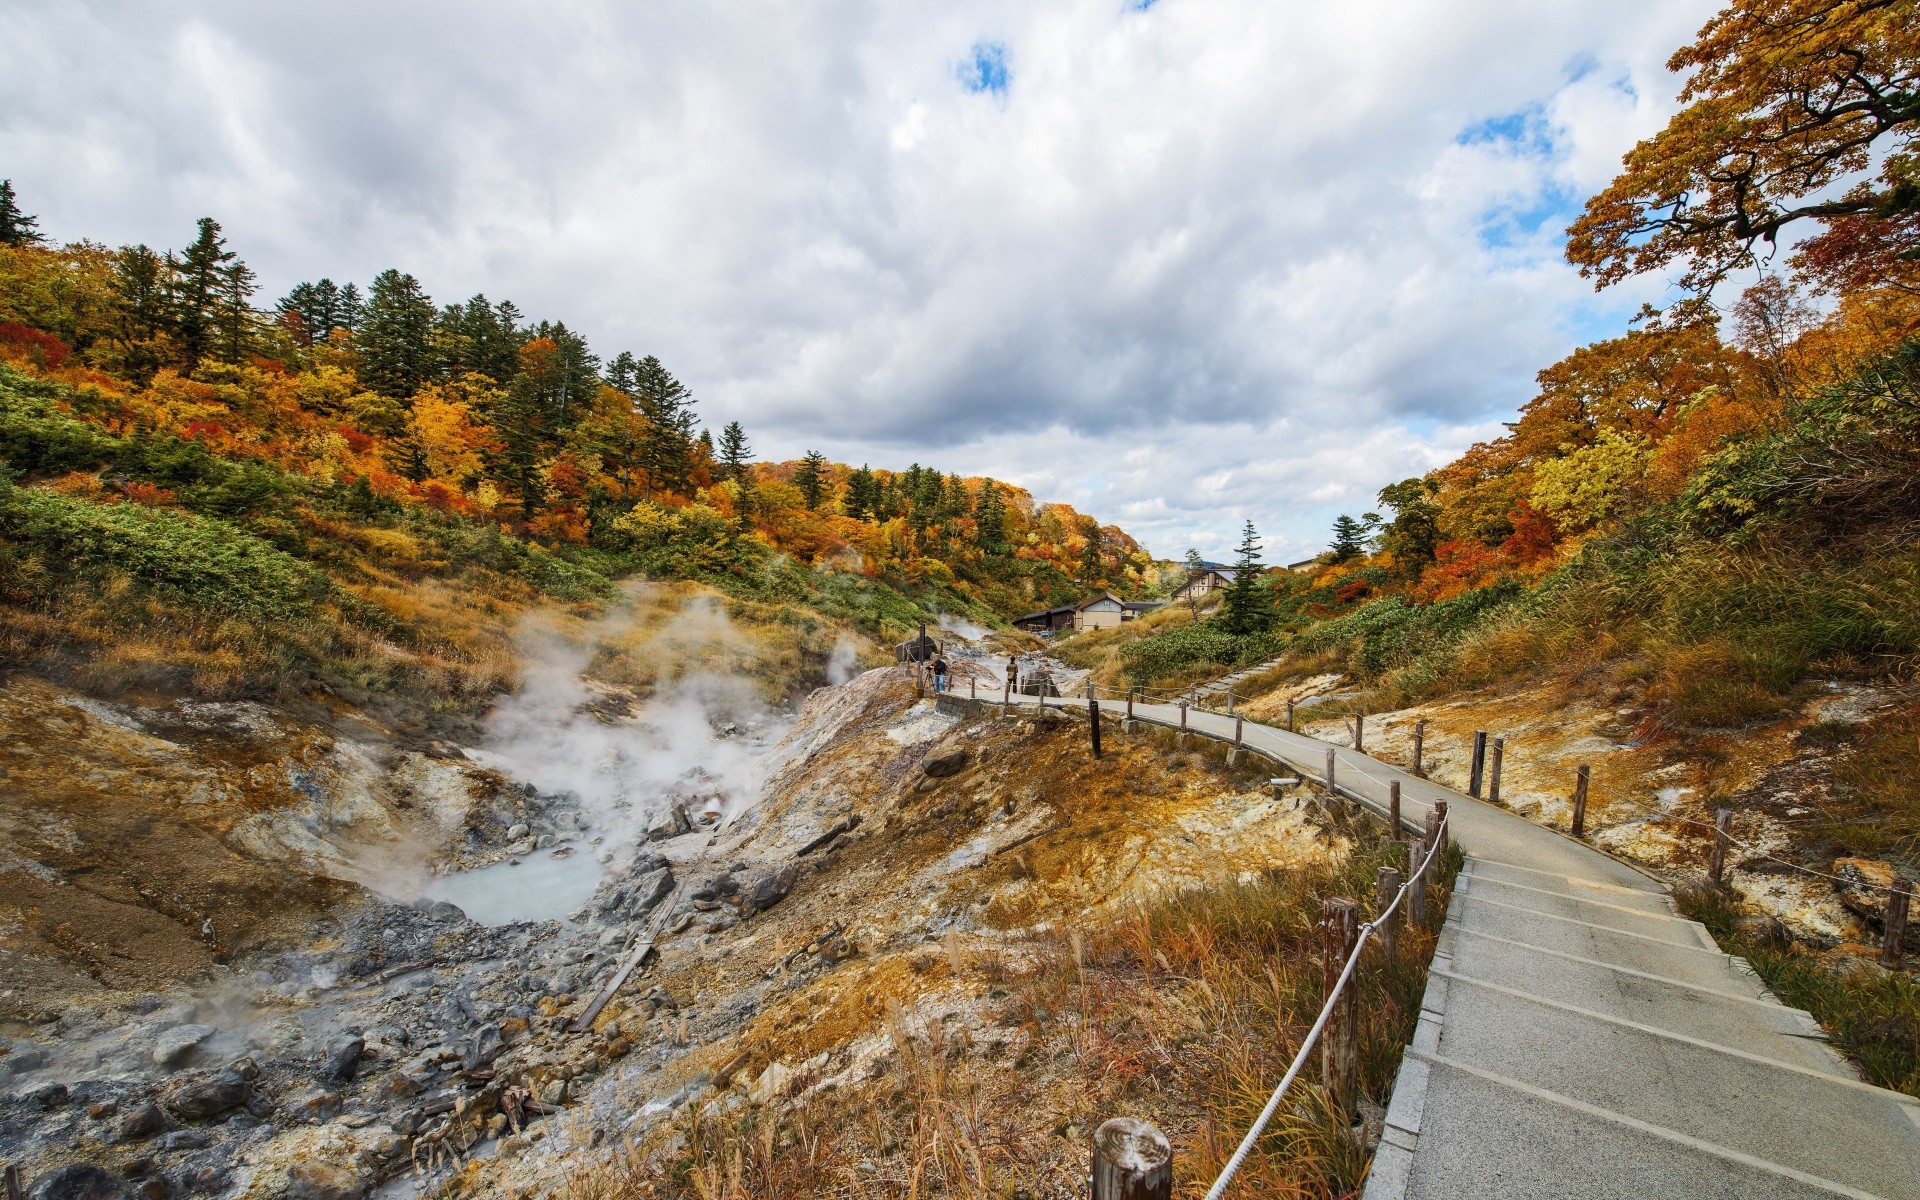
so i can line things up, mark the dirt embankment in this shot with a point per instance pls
(1799, 785)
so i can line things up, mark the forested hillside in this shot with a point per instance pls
(187, 478)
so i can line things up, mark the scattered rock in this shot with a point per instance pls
(325, 1181)
(79, 1181)
(1761, 928)
(770, 889)
(951, 762)
(343, 1055)
(200, 1095)
(669, 824)
(177, 1043)
(650, 890)
(141, 1121)
(517, 833)
(186, 1139)
(23, 1060)
(45, 1096)
(1861, 884)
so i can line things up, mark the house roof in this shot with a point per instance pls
(1046, 612)
(1142, 605)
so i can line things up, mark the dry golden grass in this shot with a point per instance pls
(1185, 1013)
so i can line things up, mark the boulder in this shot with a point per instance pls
(174, 1045)
(649, 890)
(142, 1121)
(325, 1181)
(79, 1181)
(517, 832)
(202, 1095)
(770, 889)
(45, 1096)
(668, 824)
(939, 766)
(1862, 885)
(342, 1057)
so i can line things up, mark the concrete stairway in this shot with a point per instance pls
(1579, 1038)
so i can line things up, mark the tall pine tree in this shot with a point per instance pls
(142, 318)
(395, 337)
(1349, 539)
(666, 454)
(16, 228)
(198, 281)
(862, 500)
(990, 518)
(1245, 609)
(734, 451)
(811, 478)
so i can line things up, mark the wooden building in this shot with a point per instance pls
(1106, 611)
(1211, 577)
(1047, 620)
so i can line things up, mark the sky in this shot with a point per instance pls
(1180, 263)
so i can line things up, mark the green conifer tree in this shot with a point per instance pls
(16, 228)
(395, 336)
(1245, 609)
(811, 478)
(666, 454)
(1349, 539)
(990, 519)
(734, 451)
(198, 278)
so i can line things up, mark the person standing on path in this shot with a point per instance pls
(939, 674)
(1013, 674)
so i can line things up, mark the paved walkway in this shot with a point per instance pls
(1579, 1038)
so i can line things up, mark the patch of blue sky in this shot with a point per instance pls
(1549, 212)
(1141, 5)
(986, 69)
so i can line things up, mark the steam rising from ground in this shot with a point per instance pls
(843, 660)
(962, 627)
(696, 740)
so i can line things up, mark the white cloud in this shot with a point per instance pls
(1288, 252)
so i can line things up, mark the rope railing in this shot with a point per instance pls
(1247, 1143)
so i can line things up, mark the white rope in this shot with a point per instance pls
(1320, 1023)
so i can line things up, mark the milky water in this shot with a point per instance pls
(536, 888)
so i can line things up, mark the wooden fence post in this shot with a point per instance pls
(1330, 792)
(1722, 835)
(1183, 722)
(1289, 715)
(14, 1191)
(1386, 881)
(1339, 1050)
(1479, 763)
(1419, 744)
(1132, 1160)
(1359, 731)
(1493, 776)
(1897, 904)
(1580, 801)
(973, 687)
(1393, 810)
(1130, 692)
(1093, 725)
(1239, 732)
(1229, 699)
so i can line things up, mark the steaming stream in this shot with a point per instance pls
(599, 779)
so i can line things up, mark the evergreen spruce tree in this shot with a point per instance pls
(310, 312)
(141, 316)
(734, 451)
(811, 478)
(621, 372)
(990, 518)
(1245, 609)
(347, 314)
(16, 228)
(395, 337)
(579, 374)
(233, 313)
(666, 454)
(198, 278)
(862, 495)
(1349, 539)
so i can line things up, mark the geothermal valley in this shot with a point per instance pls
(263, 952)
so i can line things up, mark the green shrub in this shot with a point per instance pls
(202, 560)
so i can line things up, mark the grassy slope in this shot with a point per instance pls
(136, 563)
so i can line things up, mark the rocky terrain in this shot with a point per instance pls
(275, 1004)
